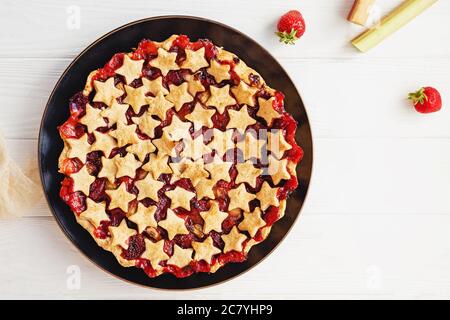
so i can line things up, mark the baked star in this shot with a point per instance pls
(181, 257)
(148, 188)
(92, 119)
(252, 222)
(95, 212)
(219, 169)
(147, 124)
(247, 172)
(195, 60)
(125, 134)
(121, 234)
(222, 141)
(194, 85)
(219, 71)
(136, 97)
(144, 217)
(278, 170)
(233, 240)
(116, 113)
(266, 110)
(244, 94)
(106, 92)
(180, 198)
(109, 169)
(103, 142)
(250, 146)
(165, 61)
(194, 171)
(120, 197)
(154, 86)
(240, 119)
(141, 149)
(267, 196)
(154, 252)
(195, 148)
(220, 98)
(213, 218)
(165, 146)
(177, 129)
(157, 165)
(173, 224)
(201, 117)
(239, 198)
(127, 165)
(159, 106)
(82, 180)
(78, 148)
(277, 144)
(205, 250)
(130, 69)
(179, 95)
(204, 188)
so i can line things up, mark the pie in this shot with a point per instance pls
(178, 157)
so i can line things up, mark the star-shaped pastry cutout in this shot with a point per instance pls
(267, 196)
(180, 198)
(106, 92)
(144, 217)
(252, 222)
(247, 173)
(109, 169)
(278, 170)
(95, 212)
(233, 240)
(219, 169)
(250, 146)
(201, 117)
(244, 72)
(213, 218)
(222, 141)
(219, 71)
(120, 197)
(195, 148)
(154, 252)
(194, 85)
(195, 171)
(130, 69)
(154, 86)
(266, 110)
(239, 198)
(82, 180)
(127, 165)
(147, 124)
(78, 148)
(220, 98)
(148, 188)
(177, 129)
(244, 94)
(165, 61)
(136, 97)
(121, 234)
(157, 165)
(277, 144)
(204, 188)
(92, 119)
(159, 106)
(173, 224)
(125, 134)
(179, 95)
(165, 146)
(181, 257)
(141, 149)
(103, 142)
(195, 60)
(116, 113)
(240, 119)
(205, 250)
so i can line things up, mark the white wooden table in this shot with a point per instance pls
(376, 223)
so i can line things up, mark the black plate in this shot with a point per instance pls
(122, 40)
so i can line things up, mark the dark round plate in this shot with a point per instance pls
(122, 40)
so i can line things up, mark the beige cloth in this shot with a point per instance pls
(19, 191)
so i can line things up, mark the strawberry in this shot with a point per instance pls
(426, 100)
(291, 27)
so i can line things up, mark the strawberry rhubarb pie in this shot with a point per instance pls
(178, 157)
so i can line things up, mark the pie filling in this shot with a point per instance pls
(178, 157)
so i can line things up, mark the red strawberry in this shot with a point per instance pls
(290, 27)
(426, 100)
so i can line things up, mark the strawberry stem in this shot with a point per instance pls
(288, 37)
(418, 97)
